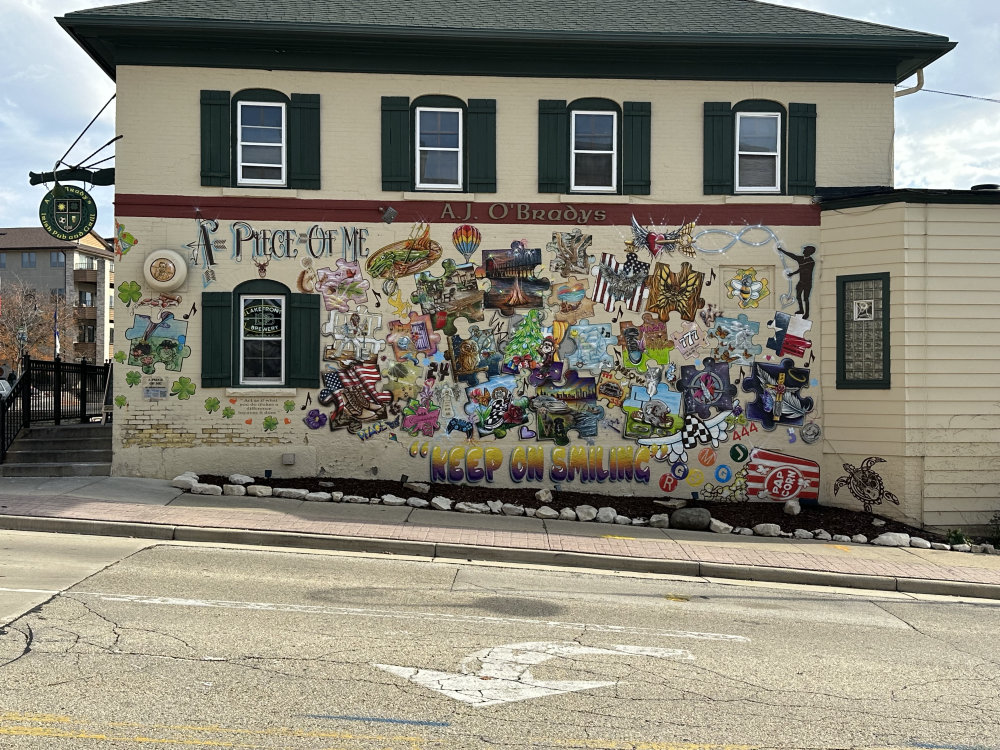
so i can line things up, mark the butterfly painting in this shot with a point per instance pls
(671, 291)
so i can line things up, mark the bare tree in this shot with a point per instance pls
(28, 323)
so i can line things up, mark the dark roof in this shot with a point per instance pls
(982, 195)
(705, 32)
(36, 238)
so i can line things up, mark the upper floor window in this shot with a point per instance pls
(758, 146)
(57, 259)
(593, 146)
(260, 138)
(439, 148)
(438, 142)
(758, 154)
(86, 299)
(594, 160)
(85, 262)
(260, 150)
(28, 260)
(3, 260)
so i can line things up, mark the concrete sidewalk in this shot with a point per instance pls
(151, 508)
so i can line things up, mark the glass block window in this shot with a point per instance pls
(863, 331)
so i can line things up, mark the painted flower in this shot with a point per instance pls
(120, 357)
(120, 401)
(212, 404)
(289, 405)
(270, 424)
(130, 292)
(183, 389)
(228, 412)
(132, 378)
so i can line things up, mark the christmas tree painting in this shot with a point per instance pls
(522, 347)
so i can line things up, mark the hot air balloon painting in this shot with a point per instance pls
(466, 239)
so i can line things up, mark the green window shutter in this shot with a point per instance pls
(719, 149)
(553, 146)
(482, 146)
(303, 341)
(215, 138)
(635, 148)
(216, 339)
(397, 173)
(801, 155)
(303, 142)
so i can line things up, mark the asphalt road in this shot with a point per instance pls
(142, 645)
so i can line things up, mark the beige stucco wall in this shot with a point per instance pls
(158, 112)
(938, 429)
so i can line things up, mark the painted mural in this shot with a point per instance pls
(669, 358)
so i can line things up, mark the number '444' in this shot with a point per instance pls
(739, 434)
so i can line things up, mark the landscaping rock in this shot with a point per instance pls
(916, 541)
(720, 527)
(546, 512)
(259, 490)
(393, 500)
(660, 520)
(859, 539)
(674, 503)
(422, 487)
(878, 523)
(691, 519)
(236, 490)
(792, 507)
(241, 479)
(509, 509)
(567, 514)
(586, 512)
(785, 534)
(496, 506)
(623, 520)
(962, 547)
(606, 515)
(940, 546)
(472, 508)
(336, 497)
(206, 489)
(842, 538)
(355, 499)
(318, 497)
(892, 539)
(184, 483)
(744, 531)
(291, 493)
(417, 502)
(544, 496)
(440, 503)
(802, 534)
(822, 534)
(530, 512)
(767, 529)
(640, 522)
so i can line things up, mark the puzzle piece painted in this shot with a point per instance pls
(671, 291)
(570, 249)
(779, 398)
(610, 388)
(569, 300)
(706, 389)
(734, 339)
(513, 284)
(746, 288)
(652, 415)
(644, 343)
(413, 340)
(468, 358)
(161, 342)
(789, 337)
(562, 408)
(494, 408)
(592, 341)
(455, 294)
(353, 335)
(341, 287)
(401, 380)
(688, 340)
(620, 282)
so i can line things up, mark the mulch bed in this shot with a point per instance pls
(833, 520)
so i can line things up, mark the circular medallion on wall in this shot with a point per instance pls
(164, 270)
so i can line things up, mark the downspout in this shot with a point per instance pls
(912, 89)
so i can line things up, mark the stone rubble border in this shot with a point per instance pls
(679, 517)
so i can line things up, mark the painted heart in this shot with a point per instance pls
(249, 421)
(527, 434)
(287, 420)
(232, 400)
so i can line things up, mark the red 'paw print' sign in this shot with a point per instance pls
(779, 477)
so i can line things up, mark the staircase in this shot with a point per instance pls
(76, 450)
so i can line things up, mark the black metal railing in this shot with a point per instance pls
(54, 392)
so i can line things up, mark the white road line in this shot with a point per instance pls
(401, 615)
(27, 591)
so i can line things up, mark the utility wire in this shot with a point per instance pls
(964, 96)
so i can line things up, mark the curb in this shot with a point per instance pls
(447, 551)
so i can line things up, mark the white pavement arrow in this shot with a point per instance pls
(504, 673)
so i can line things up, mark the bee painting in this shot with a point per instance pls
(747, 289)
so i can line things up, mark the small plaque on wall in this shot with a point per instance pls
(154, 388)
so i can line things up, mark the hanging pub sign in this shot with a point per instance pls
(67, 212)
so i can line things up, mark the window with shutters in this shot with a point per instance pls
(260, 335)
(260, 138)
(593, 146)
(758, 153)
(438, 142)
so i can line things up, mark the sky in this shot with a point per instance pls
(50, 89)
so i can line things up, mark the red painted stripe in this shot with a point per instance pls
(315, 211)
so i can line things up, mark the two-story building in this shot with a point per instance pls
(529, 244)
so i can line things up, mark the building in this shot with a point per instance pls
(633, 189)
(82, 273)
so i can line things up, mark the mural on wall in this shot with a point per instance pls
(806, 266)
(571, 405)
(746, 289)
(466, 239)
(644, 342)
(342, 287)
(680, 239)
(513, 284)
(866, 486)
(353, 393)
(162, 341)
(734, 339)
(679, 292)
(354, 335)
(569, 299)
(495, 408)
(455, 294)
(620, 282)
(570, 249)
(413, 340)
(789, 337)
(779, 394)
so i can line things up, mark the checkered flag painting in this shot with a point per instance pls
(695, 432)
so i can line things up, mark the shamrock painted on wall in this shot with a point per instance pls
(132, 377)
(120, 357)
(228, 412)
(270, 424)
(120, 401)
(289, 405)
(130, 292)
(212, 404)
(183, 389)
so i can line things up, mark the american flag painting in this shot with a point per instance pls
(625, 282)
(778, 477)
(354, 388)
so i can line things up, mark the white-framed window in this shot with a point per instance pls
(439, 148)
(594, 158)
(261, 154)
(262, 339)
(758, 152)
